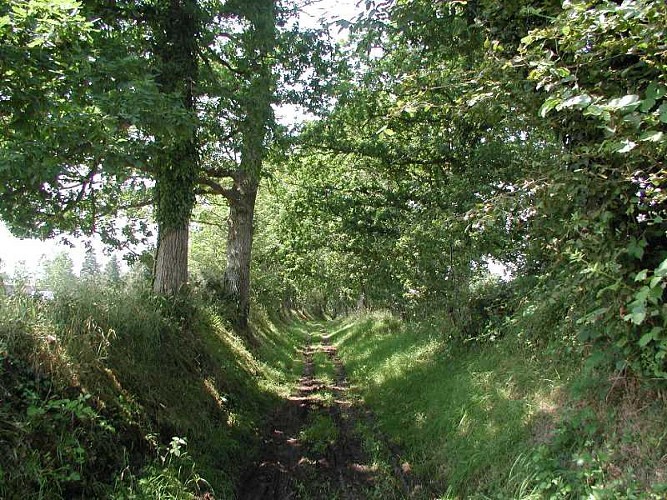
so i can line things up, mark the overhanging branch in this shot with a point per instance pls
(220, 173)
(210, 53)
(216, 188)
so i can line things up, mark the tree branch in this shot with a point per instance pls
(216, 188)
(219, 173)
(137, 204)
(206, 223)
(212, 54)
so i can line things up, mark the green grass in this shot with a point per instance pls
(115, 394)
(496, 420)
(320, 433)
(324, 368)
(97, 384)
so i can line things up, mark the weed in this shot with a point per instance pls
(320, 434)
(156, 368)
(172, 474)
(48, 439)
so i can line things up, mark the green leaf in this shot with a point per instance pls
(548, 105)
(646, 338)
(637, 316)
(661, 270)
(640, 297)
(655, 294)
(36, 43)
(620, 103)
(625, 146)
(73, 476)
(655, 91)
(593, 110)
(578, 101)
(646, 105)
(652, 136)
(563, 72)
(663, 112)
(641, 275)
(656, 280)
(526, 40)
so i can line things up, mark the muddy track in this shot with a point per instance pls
(314, 449)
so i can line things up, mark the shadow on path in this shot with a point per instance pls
(314, 449)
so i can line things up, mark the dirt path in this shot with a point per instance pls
(315, 448)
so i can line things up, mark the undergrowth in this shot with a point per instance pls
(113, 393)
(506, 418)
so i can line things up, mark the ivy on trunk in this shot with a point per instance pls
(177, 166)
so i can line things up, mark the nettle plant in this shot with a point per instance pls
(603, 68)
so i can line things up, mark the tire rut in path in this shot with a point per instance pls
(313, 450)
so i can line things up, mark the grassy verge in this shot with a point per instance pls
(112, 393)
(503, 420)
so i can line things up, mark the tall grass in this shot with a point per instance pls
(98, 383)
(502, 419)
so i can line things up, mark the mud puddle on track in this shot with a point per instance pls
(315, 449)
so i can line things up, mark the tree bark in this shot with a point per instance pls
(258, 116)
(239, 247)
(177, 164)
(171, 261)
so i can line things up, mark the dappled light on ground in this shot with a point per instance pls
(315, 448)
(469, 409)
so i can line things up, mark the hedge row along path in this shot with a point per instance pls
(315, 447)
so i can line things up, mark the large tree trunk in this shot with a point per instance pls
(171, 261)
(253, 128)
(177, 164)
(239, 248)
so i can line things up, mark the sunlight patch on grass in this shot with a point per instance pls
(403, 362)
(211, 389)
(463, 427)
(461, 418)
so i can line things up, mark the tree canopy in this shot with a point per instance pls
(444, 137)
(529, 134)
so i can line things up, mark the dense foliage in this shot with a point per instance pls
(492, 172)
(529, 137)
(110, 392)
(603, 92)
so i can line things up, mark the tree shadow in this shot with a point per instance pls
(462, 417)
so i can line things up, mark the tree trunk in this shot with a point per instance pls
(239, 247)
(171, 261)
(253, 129)
(177, 163)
